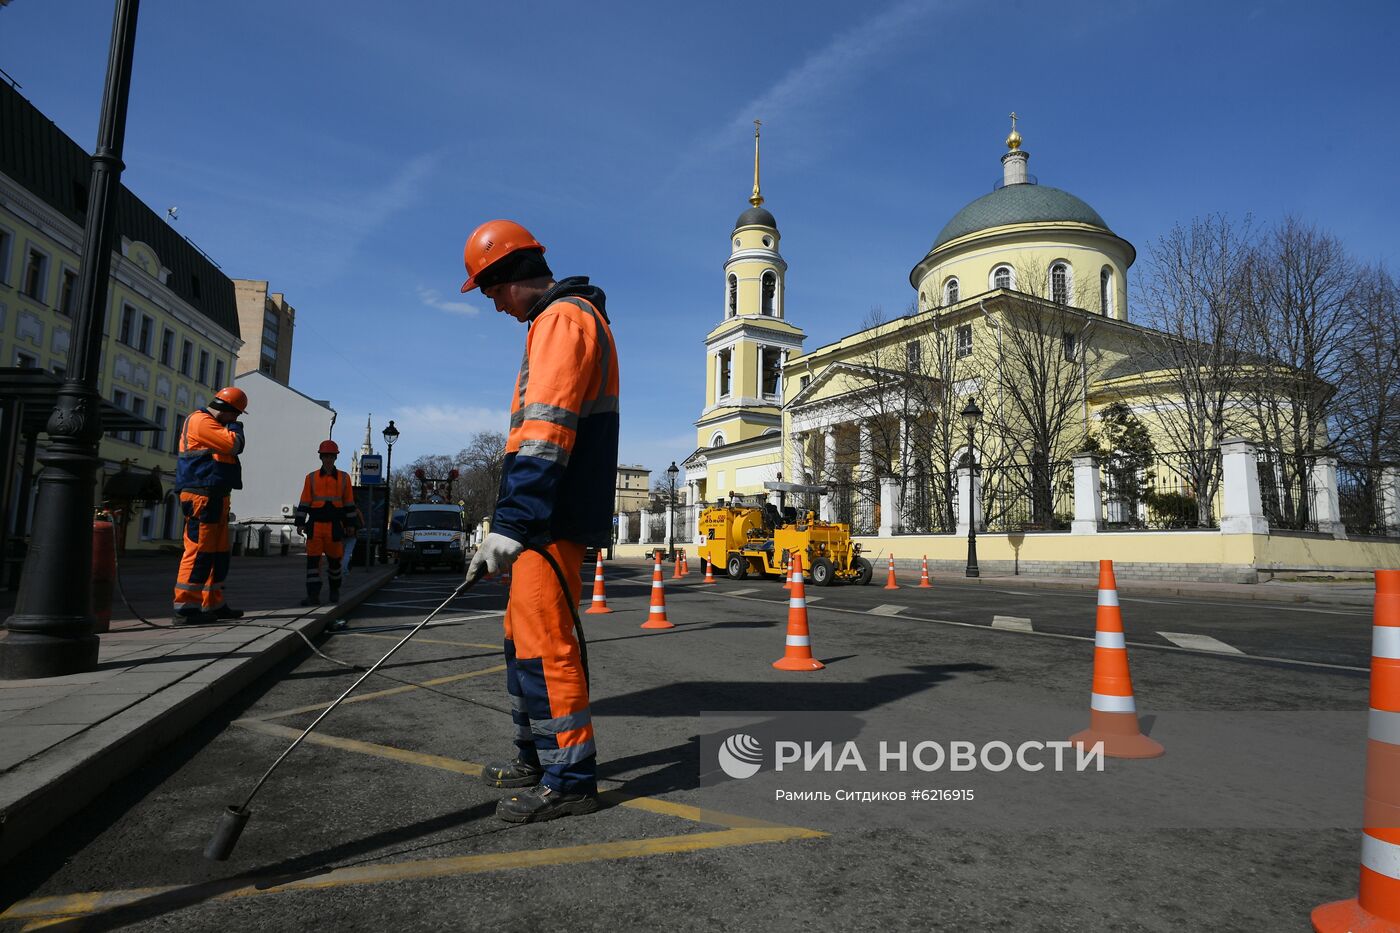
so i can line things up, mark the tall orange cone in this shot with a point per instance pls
(787, 583)
(923, 575)
(1112, 709)
(600, 601)
(798, 654)
(656, 615)
(1377, 905)
(685, 564)
(890, 584)
(676, 566)
(709, 572)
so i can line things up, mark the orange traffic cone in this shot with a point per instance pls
(787, 583)
(709, 572)
(890, 584)
(656, 615)
(1112, 709)
(676, 567)
(685, 564)
(923, 575)
(798, 654)
(600, 601)
(1377, 907)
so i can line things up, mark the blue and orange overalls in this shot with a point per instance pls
(556, 494)
(206, 470)
(327, 509)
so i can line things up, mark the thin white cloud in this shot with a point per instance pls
(840, 63)
(432, 298)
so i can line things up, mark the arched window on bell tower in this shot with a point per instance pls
(770, 289)
(733, 295)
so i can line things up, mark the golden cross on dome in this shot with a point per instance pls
(755, 199)
(1013, 121)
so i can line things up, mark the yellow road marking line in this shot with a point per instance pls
(419, 641)
(427, 760)
(166, 898)
(392, 691)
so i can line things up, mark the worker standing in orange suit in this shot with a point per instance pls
(206, 471)
(325, 515)
(562, 449)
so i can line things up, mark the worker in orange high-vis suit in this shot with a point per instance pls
(206, 471)
(326, 514)
(555, 499)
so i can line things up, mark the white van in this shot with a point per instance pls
(432, 534)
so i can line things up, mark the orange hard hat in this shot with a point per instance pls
(328, 447)
(236, 398)
(491, 242)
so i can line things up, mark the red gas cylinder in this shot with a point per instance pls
(104, 572)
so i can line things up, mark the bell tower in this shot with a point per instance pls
(746, 350)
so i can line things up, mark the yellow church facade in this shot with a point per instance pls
(1020, 315)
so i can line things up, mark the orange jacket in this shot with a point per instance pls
(562, 446)
(327, 497)
(209, 454)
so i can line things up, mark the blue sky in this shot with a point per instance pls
(343, 151)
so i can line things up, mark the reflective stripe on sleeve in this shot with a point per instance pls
(1106, 703)
(1108, 597)
(544, 450)
(1109, 640)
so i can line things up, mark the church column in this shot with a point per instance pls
(865, 502)
(829, 468)
(799, 457)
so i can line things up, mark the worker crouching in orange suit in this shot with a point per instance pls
(561, 456)
(326, 514)
(206, 471)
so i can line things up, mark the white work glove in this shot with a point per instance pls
(497, 553)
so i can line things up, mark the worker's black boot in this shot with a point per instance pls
(313, 595)
(543, 803)
(515, 773)
(226, 612)
(335, 595)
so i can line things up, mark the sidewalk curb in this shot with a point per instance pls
(38, 796)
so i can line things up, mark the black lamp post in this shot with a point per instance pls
(671, 472)
(52, 631)
(391, 434)
(971, 414)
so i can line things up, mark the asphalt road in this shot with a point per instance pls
(381, 823)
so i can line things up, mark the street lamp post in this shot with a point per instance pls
(391, 434)
(52, 631)
(671, 472)
(971, 414)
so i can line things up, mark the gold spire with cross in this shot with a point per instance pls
(1013, 142)
(755, 199)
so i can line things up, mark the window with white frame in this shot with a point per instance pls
(203, 376)
(1105, 291)
(913, 354)
(963, 340)
(733, 295)
(167, 346)
(950, 291)
(219, 373)
(126, 330)
(1002, 277)
(186, 358)
(7, 240)
(158, 436)
(25, 360)
(68, 292)
(717, 440)
(724, 361)
(1059, 283)
(770, 291)
(146, 334)
(1071, 346)
(36, 274)
(118, 399)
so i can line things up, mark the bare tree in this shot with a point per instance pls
(1194, 298)
(1299, 323)
(481, 463)
(1367, 423)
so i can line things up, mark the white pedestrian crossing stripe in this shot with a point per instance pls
(740, 592)
(887, 610)
(1012, 623)
(1199, 642)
